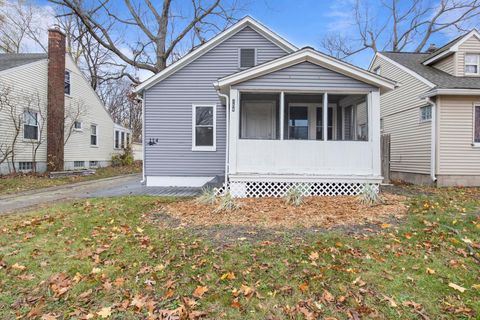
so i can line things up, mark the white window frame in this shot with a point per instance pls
(96, 134)
(38, 124)
(69, 82)
(477, 54)
(420, 118)
(194, 125)
(240, 57)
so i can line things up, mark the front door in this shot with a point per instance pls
(258, 120)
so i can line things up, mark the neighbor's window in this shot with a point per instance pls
(477, 125)
(203, 128)
(472, 64)
(25, 166)
(77, 125)
(67, 82)
(93, 164)
(123, 139)
(117, 139)
(93, 135)
(78, 164)
(425, 113)
(30, 125)
(247, 58)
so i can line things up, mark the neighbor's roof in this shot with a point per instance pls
(311, 55)
(207, 46)
(441, 79)
(12, 60)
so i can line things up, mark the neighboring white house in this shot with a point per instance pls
(249, 106)
(37, 92)
(433, 116)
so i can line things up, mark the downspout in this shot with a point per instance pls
(227, 141)
(433, 146)
(143, 138)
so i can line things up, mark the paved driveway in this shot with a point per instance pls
(110, 187)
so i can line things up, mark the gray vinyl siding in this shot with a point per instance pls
(304, 75)
(168, 108)
(400, 110)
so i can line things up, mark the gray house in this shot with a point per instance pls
(433, 116)
(250, 107)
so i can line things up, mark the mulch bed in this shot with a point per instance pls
(323, 212)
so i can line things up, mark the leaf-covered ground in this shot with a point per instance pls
(104, 258)
(24, 182)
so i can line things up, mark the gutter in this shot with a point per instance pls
(227, 133)
(433, 146)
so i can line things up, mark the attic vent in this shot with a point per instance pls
(247, 58)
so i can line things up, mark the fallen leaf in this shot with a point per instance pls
(303, 287)
(327, 296)
(49, 316)
(235, 304)
(105, 312)
(17, 266)
(456, 287)
(314, 256)
(228, 276)
(200, 291)
(430, 271)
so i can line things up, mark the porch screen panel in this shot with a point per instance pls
(298, 123)
(349, 117)
(259, 116)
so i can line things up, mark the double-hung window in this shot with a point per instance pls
(30, 125)
(472, 64)
(77, 125)
(67, 86)
(117, 139)
(204, 128)
(123, 140)
(93, 135)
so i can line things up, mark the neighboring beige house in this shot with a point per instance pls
(434, 114)
(37, 92)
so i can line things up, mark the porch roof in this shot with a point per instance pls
(309, 55)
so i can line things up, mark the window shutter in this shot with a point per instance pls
(247, 58)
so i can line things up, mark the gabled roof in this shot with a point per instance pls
(12, 60)
(437, 78)
(207, 46)
(449, 48)
(310, 55)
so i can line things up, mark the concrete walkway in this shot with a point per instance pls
(109, 187)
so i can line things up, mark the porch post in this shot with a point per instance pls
(325, 116)
(282, 114)
(234, 121)
(374, 130)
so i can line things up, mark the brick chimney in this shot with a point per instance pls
(56, 99)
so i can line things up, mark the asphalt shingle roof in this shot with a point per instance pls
(12, 60)
(442, 80)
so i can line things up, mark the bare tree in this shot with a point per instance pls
(401, 25)
(73, 113)
(159, 32)
(21, 23)
(34, 103)
(9, 106)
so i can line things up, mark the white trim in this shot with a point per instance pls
(169, 181)
(219, 38)
(433, 141)
(67, 71)
(407, 70)
(309, 55)
(37, 118)
(282, 115)
(451, 92)
(305, 178)
(454, 48)
(194, 115)
(420, 120)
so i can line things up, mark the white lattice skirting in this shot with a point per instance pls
(257, 189)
